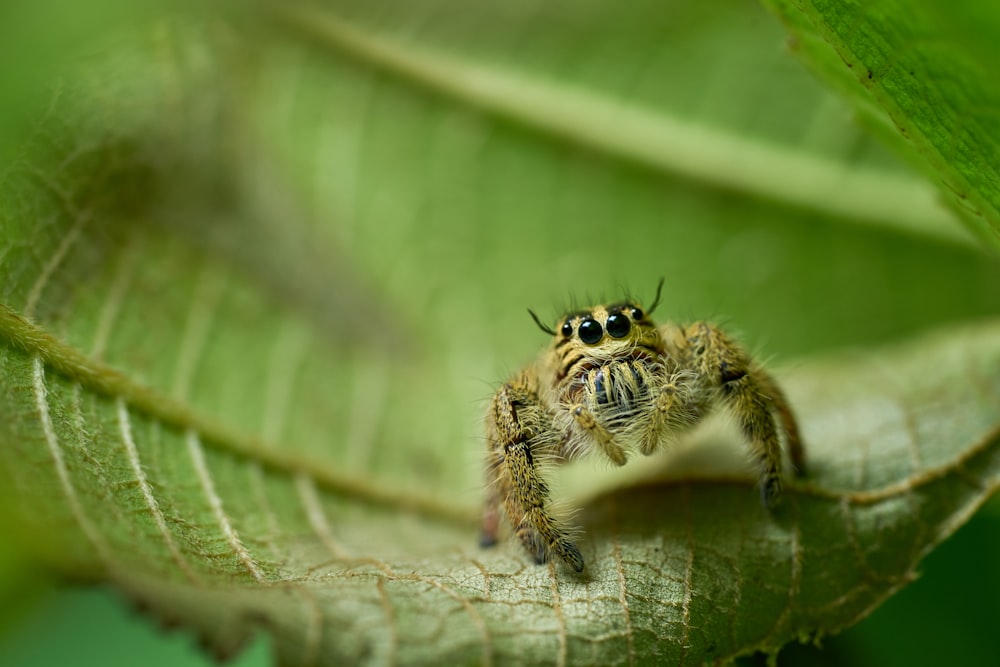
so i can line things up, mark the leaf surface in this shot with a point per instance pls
(229, 541)
(256, 286)
(925, 71)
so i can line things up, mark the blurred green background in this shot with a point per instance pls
(503, 210)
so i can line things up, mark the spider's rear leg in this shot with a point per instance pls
(791, 428)
(753, 413)
(516, 479)
(751, 394)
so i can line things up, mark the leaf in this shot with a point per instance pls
(628, 125)
(928, 67)
(899, 457)
(383, 101)
(251, 286)
(37, 36)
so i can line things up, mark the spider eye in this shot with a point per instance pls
(618, 325)
(637, 314)
(567, 330)
(590, 331)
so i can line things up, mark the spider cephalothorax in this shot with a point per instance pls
(612, 380)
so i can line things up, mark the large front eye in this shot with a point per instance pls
(618, 325)
(590, 331)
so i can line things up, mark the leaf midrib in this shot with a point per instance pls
(105, 380)
(652, 139)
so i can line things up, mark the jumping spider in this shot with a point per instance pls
(614, 381)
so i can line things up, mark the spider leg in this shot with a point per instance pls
(752, 395)
(674, 409)
(793, 441)
(513, 420)
(586, 420)
(537, 529)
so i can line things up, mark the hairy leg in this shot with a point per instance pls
(676, 409)
(516, 480)
(751, 395)
(585, 419)
(748, 403)
(537, 530)
(791, 428)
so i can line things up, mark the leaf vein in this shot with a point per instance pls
(390, 621)
(102, 379)
(688, 574)
(203, 307)
(132, 453)
(48, 429)
(35, 293)
(215, 502)
(306, 490)
(257, 483)
(486, 657)
(287, 356)
(113, 303)
(643, 136)
(622, 587)
(557, 609)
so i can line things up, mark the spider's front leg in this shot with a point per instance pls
(586, 421)
(753, 397)
(519, 432)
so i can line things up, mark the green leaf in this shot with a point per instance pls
(38, 36)
(229, 539)
(257, 282)
(925, 68)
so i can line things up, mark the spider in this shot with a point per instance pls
(613, 381)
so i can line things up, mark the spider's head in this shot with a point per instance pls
(607, 327)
